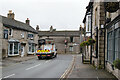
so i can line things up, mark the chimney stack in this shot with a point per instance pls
(10, 15)
(37, 28)
(28, 21)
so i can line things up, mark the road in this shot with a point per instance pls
(51, 68)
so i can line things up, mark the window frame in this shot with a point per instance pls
(4, 34)
(13, 48)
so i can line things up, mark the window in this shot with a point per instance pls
(13, 49)
(10, 32)
(71, 48)
(31, 47)
(71, 39)
(30, 36)
(110, 46)
(89, 23)
(22, 35)
(113, 45)
(5, 34)
(16, 48)
(117, 45)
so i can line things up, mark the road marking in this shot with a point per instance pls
(9, 76)
(48, 61)
(97, 78)
(33, 67)
(69, 69)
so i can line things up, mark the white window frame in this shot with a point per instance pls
(30, 45)
(71, 48)
(23, 34)
(12, 49)
(4, 34)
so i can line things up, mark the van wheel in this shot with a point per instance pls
(56, 55)
(39, 57)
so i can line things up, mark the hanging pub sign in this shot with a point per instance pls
(111, 6)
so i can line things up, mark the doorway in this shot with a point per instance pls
(22, 51)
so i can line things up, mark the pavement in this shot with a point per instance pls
(82, 71)
(12, 60)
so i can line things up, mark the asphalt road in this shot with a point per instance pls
(51, 68)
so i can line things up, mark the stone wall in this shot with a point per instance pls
(98, 21)
(1, 32)
(60, 44)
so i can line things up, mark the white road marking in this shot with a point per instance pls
(33, 67)
(9, 76)
(36, 65)
(97, 78)
(48, 61)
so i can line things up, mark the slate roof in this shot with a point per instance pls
(59, 33)
(7, 22)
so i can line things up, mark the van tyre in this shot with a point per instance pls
(39, 58)
(56, 55)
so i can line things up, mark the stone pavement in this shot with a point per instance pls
(12, 60)
(88, 72)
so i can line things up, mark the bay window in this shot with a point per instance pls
(13, 48)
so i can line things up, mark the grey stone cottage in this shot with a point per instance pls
(17, 38)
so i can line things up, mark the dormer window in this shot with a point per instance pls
(10, 32)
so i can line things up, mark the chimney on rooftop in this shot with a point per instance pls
(10, 15)
(28, 21)
(37, 28)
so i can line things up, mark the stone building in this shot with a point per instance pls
(96, 12)
(1, 36)
(105, 30)
(18, 38)
(71, 37)
(112, 41)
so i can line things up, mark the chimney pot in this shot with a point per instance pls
(37, 28)
(10, 14)
(28, 21)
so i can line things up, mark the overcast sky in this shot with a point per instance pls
(61, 14)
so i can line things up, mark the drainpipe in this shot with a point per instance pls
(91, 35)
(104, 38)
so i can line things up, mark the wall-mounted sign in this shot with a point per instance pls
(111, 6)
(42, 41)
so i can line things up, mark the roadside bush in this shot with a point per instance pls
(116, 63)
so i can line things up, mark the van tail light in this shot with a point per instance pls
(38, 55)
(48, 55)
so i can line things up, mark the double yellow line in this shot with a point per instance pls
(69, 69)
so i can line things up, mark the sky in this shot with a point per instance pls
(61, 14)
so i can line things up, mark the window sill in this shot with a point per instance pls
(13, 54)
(31, 52)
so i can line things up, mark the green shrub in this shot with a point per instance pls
(88, 42)
(91, 41)
(117, 63)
